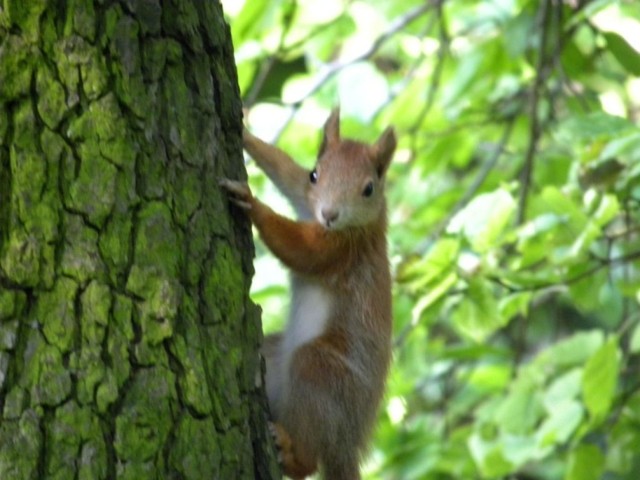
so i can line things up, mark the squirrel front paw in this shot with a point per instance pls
(240, 192)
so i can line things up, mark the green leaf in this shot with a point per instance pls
(519, 411)
(518, 38)
(564, 388)
(589, 10)
(628, 57)
(592, 126)
(585, 292)
(487, 454)
(490, 377)
(466, 73)
(586, 462)
(600, 378)
(477, 316)
(484, 219)
(440, 259)
(572, 351)
(535, 236)
(561, 423)
(634, 344)
(581, 245)
(607, 210)
(514, 304)
(622, 147)
(435, 294)
(559, 233)
(574, 61)
(252, 18)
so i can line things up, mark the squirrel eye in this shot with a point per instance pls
(368, 190)
(313, 176)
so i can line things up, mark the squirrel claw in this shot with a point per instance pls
(280, 439)
(241, 204)
(273, 431)
(240, 192)
(290, 463)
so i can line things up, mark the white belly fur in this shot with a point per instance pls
(310, 309)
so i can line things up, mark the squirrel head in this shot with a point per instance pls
(346, 188)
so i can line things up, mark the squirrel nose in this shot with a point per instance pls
(330, 215)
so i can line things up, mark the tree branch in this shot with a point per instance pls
(436, 76)
(535, 128)
(602, 263)
(269, 62)
(332, 69)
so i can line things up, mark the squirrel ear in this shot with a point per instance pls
(331, 131)
(383, 150)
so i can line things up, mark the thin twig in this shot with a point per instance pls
(535, 129)
(602, 263)
(409, 75)
(333, 68)
(477, 182)
(270, 61)
(561, 38)
(435, 77)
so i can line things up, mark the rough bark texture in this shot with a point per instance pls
(128, 344)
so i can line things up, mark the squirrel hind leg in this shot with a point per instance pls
(295, 464)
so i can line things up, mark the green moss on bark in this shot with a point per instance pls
(195, 455)
(195, 392)
(21, 258)
(222, 284)
(25, 15)
(21, 442)
(74, 433)
(8, 303)
(93, 192)
(81, 19)
(119, 338)
(56, 313)
(128, 345)
(14, 403)
(45, 376)
(8, 339)
(51, 98)
(145, 420)
(80, 256)
(17, 58)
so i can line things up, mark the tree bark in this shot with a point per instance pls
(128, 343)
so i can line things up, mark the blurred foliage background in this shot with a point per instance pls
(515, 216)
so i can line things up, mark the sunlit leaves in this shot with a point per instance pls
(624, 53)
(514, 304)
(571, 351)
(586, 462)
(432, 276)
(517, 342)
(634, 344)
(477, 316)
(600, 378)
(484, 219)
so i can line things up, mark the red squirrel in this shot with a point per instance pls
(325, 373)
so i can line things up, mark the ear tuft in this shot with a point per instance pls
(331, 136)
(383, 150)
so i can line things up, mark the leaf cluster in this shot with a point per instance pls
(515, 216)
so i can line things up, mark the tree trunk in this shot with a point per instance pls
(128, 343)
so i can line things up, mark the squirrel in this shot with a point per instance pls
(325, 374)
